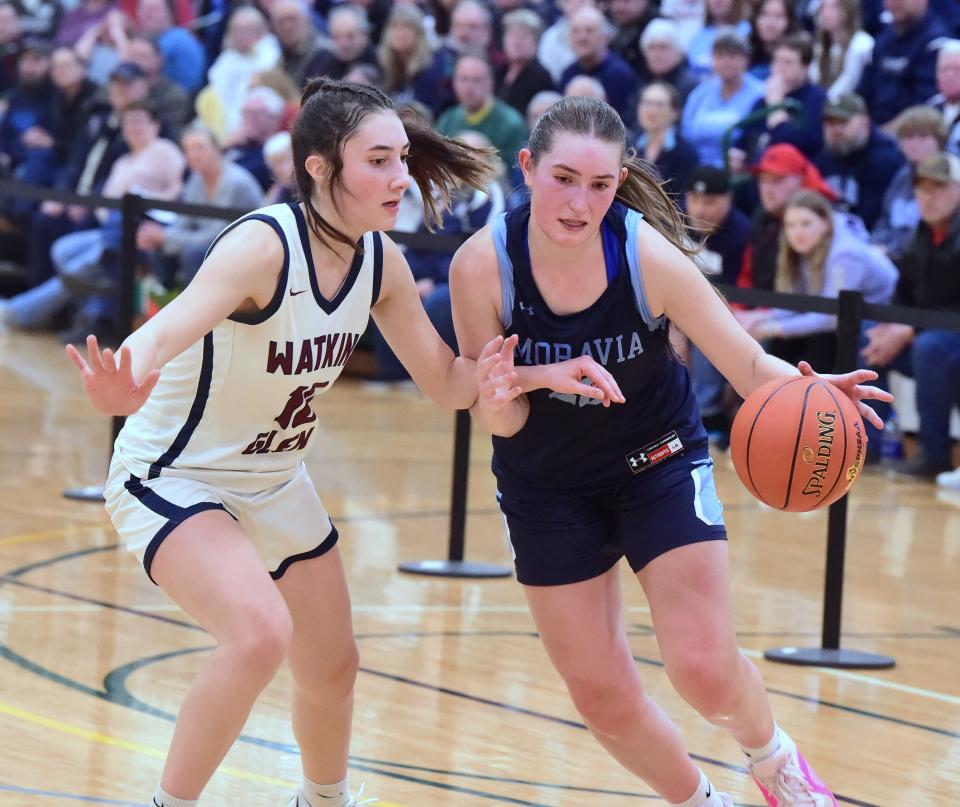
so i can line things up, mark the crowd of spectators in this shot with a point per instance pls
(815, 144)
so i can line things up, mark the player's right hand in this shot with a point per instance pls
(110, 384)
(496, 376)
(583, 376)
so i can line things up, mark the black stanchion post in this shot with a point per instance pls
(830, 654)
(130, 209)
(455, 565)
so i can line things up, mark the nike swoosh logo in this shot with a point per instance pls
(709, 791)
(295, 293)
(339, 795)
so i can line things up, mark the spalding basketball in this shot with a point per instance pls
(798, 443)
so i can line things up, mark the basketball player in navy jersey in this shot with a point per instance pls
(207, 484)
(596, 264)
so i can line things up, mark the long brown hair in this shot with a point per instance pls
(398, 69)
(788, 260)
(331, 111)
(642, 190)
(830, 68)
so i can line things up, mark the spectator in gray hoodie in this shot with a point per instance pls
(822, 253)
(213, 180)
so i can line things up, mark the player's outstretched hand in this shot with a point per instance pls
(496, 377)
(583, 376)
(851, 385)
(110, 385)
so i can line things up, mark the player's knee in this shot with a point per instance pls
(708, 681)
(341, 669)
(607, 703)
(265, 638)
(331, 675)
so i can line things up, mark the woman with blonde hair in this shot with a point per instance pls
(822, 252)
(411, 69)
(842, 49)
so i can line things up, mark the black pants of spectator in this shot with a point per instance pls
(820, 349)
(437, 306)
(44, 230)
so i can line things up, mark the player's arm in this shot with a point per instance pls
(241, 272)
(447, 380)
(677, 289)
(475, 298)
(502, 407)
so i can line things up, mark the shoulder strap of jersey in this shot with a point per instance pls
(377, 266)
(632, 222)
(507, 291)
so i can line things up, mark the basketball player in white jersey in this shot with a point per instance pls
(207, 485)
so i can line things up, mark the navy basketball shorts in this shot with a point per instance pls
(560, 537)
(286, 523)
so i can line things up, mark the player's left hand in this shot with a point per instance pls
(851, 385)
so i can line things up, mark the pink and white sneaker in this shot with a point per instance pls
(787, 780)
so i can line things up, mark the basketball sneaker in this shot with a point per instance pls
(725, 801)
(356, 800)
(787, 780)
(949, 480)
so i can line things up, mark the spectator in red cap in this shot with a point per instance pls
(781, 172)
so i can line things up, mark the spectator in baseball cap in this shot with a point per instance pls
(724, 230)
(858, 160)
(781, 171)
(928, 279)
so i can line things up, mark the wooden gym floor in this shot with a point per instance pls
(456, 702)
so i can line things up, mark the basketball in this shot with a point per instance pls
(798, 443)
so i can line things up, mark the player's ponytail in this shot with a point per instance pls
(642, 190)
(440, 165)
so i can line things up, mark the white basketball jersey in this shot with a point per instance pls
(235, 408)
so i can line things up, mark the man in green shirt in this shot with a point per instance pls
(480, 110)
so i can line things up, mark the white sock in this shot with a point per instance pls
(768, 750)
(163, 799)
(316, 795)
(705, 795)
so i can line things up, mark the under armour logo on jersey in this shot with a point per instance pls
(636, 462)
(526, 309)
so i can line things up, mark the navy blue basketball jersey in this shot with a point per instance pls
(570, 441)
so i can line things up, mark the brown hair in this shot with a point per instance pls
(398, 71)
(800, 43)
(830, 68)
(788, 260)
(758, 49)
(919, 121)
(331, 111)
(673, 96)
(642, 190)
(738, 10)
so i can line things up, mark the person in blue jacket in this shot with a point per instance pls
(788, 82)
(902, 72)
